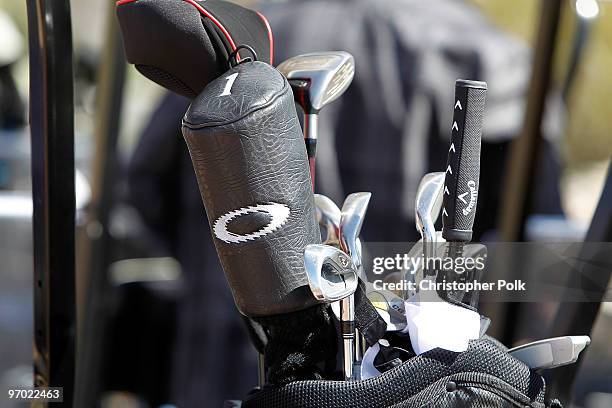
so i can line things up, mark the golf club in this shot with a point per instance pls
(317, 79)
(462, 174)
(328, 216)
(332, 277)
(463, 165)
(390, 307)
(351, 221)
(551, 353)
(427, 209)
(430, 323)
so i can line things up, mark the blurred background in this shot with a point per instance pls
(168, 332)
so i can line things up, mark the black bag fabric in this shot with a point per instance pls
(184, 44)
(483, 376)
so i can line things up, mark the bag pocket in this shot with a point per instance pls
(471, 390)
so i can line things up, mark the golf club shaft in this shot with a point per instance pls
(311, 133)
(347, 322)
(429, 242)
(347, 305)
(261, 369)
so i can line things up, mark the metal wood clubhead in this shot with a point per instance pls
(319, 78)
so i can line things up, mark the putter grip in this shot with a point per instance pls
(463, 164)
(250, 161)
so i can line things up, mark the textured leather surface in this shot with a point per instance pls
(248, 149)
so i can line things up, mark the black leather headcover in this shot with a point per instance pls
(184, 44)
(248, 152)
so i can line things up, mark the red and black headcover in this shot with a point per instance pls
(184, 44)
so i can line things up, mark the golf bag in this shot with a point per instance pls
(237, 150)
(250, 160)
(483, 376)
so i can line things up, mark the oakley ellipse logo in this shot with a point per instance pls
(279, 214)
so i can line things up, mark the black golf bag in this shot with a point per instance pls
(483, 376)
(237, 149)
(229, 146)
(250, 160)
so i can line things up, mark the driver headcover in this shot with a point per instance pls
(182, 45)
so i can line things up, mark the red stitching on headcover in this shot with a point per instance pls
(270, 36)
(215, 22)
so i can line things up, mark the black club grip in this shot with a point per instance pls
(248, 152)
(463, 164)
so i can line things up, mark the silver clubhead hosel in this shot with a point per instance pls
(427, 207)
(317, 79)
(332, 277)
(328, 216)
(351, 221)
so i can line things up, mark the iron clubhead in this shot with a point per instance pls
(328, 216)
(351, 221)
(416, 273)
(318, 78)
(390, 307)
(332, 276)
(428, 203)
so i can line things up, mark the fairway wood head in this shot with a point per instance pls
(328, 216)
(351, 221)
(332, 276)
(428, 203)
(318, 78)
